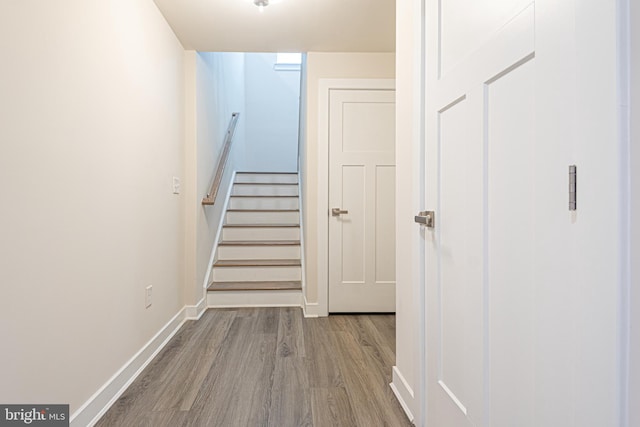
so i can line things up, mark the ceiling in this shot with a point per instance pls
(285, 26)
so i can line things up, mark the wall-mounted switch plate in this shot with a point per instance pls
(148, 296)
(176, 185)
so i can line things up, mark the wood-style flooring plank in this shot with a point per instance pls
(331, 407)
(366, 411)
(290, 393)
(268, 367)
(290, 333)
(322, 363)
(182, 383)
(217, 401)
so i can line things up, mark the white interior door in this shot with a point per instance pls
(504, 345)
(362, 191)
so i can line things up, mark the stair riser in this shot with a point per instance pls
(243, 274)
(263, 203)
(263, 218)
(259, 233)
(255, 299)
(275, 178)
(265, 190)
(258, 252)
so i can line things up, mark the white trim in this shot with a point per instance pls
(287, 67)
(195, 312)
(628, 300)
(418, 112)
(303, 269)
(403, 392)
(324, 88)
(98, 404)
(453, 397)
(216, 240)
(310, 309)
(230, 299)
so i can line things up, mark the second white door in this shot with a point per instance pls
(362, 201)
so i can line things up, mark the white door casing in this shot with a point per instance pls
(522, 297)
(362, 187)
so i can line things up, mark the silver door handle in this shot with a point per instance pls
(338, 211)
(428, 218)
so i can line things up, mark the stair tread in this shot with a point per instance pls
(255, 286)
(262, 225)
(260, 243)
(265, 183)
(258, 263)
(267, 173)
(263, 210)
(261, 195)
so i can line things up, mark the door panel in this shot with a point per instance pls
(385, 251)
(465, 25)
(353, 246)
(479, 173)
(511, 225)
(460, 281)
(362, 183)
(520, 299)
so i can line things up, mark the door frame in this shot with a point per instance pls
(325, 86)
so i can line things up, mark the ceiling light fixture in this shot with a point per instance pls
(261, 4)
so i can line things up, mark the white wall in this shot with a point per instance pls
(302, 121)
(91, 100)
(215, 90)
(332, 66)
(271, 119)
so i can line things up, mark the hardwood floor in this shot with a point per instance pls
(268, 367)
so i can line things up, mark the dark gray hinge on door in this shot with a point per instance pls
(573, 179)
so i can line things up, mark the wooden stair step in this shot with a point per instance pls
(267, 173)
(260, 243)
(263, 210)
(261, 225)
(254, 286)
(265, 183)
(258, 263)
(261, 195)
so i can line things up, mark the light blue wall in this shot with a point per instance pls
(271, 115)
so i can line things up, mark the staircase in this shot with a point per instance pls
(257, 261)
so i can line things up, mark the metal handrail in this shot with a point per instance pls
(210, 198)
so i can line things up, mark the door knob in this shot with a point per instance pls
(428, 218)
(338, 211)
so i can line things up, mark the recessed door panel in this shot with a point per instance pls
(510, 237)
(352, 226)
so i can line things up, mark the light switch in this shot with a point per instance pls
(176, 185)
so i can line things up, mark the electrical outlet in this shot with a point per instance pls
(148, 295)
(176, 185)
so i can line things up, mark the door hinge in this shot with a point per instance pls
(573, 180)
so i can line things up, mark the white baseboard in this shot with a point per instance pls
(228, 299)
(310, 309)
(98, 404)
(195, 312)
(403, 392)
